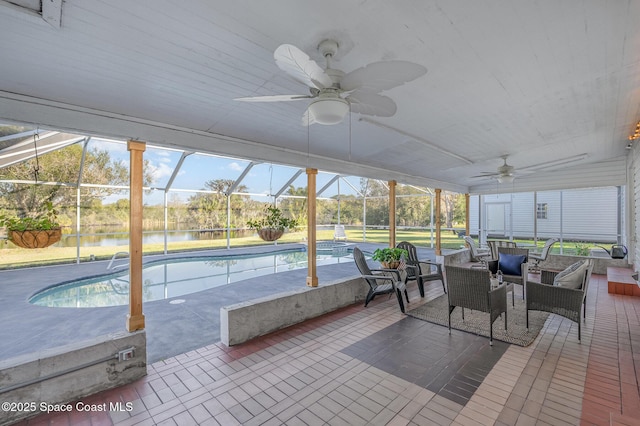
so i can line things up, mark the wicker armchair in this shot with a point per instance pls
(421, 270)
(566, 302)
(381, 281)
(524, 268)
(494, 245)
(471, 288)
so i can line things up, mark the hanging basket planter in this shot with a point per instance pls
(33, 232)
(272, 225)
(270, 234)
(38, 229)
(35, 238)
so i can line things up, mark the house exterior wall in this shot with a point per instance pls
(523, 209)
(577, 214)
(474, 216)
(591, 211)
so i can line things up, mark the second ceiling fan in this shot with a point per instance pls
(505, 173)
(334, 93)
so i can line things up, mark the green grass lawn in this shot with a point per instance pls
(16, 257)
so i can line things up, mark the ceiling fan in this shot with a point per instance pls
(504, 174)
(507, 173)
(333, 92)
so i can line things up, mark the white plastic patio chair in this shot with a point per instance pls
(339, 233)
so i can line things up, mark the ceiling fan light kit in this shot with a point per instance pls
(506, 178)
(328, 111)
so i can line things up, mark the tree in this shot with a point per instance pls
(350, 210)
(209, 210)
(377, 195)
(413, 208)
(12, 130)
(296, 207)
(460, 210)
(62, 167)
(453, 206)
(177, 209)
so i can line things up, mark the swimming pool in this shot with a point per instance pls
(171, 278)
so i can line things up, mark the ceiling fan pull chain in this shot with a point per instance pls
(349, 131)
(271, 180)
(308, 138)
(36, 168)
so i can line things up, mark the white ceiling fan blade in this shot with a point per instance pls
(298, 65)
(372, 104)
(379, 76)
(274, 98)
(484, 175)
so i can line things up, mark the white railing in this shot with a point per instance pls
(111, 266)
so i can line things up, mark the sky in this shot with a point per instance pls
(263, 178)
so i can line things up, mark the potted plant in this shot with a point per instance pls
(272, 225)
(38, 231)
(389, 257)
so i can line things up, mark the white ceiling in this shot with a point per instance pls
(539, 81)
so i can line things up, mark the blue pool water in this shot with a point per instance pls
(171, 278)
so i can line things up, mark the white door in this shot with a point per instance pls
(498, 220)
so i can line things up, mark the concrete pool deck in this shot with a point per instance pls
(171, 328)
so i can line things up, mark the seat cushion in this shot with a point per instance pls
(572, 276)
(510, 264)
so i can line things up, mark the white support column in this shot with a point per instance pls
(438, 223)
(228, 221)
(78, 195)
(392, 213)
(466, 213)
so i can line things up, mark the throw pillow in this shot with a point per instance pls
(509, 264)
(573, 276)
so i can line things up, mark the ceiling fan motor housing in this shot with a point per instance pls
(328, 48)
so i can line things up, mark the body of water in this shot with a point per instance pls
(119, 237)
